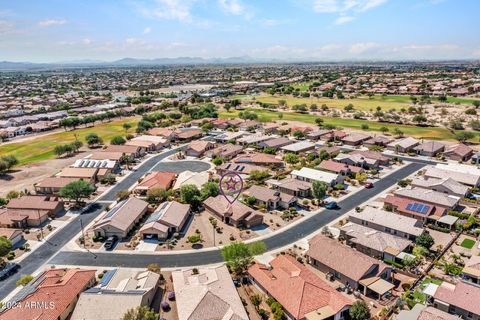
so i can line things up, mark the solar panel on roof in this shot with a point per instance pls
(418, 207)
(107, 277)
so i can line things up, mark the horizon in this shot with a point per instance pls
(54, 31)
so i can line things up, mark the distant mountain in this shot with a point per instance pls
(129, 62)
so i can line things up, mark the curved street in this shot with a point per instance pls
(49, 251)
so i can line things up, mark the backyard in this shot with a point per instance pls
(41, 148)
(434, 133)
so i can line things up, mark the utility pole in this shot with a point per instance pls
(41, 223)
(83, 234)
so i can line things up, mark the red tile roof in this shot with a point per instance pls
(58, 287)
(296, 288)
(462, 295)
(162, 180)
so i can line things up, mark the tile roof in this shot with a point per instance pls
(258, 158)
(33, 202)
(341, 258)
(462, 295)
(57, 286)
(210, 294)
(458, 149)
(296, 288)
(266, 194)
(277, 142)
(430, 146)
(291, 184)
(389, 219)
(123, 214)
(448, 183)
(158, 179)
(468, 178)
(237, 210)
(55, 182)
(170, 214)
(69, 172)
(122, 148)
(428, 196)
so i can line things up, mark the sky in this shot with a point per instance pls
(321, 30)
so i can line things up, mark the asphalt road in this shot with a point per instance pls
(50, 247)
(278, 240)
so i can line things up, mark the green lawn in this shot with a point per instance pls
(362, 103)
(414, 131)
(41, 148)
(468, 243)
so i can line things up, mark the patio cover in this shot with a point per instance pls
(320, 314)
(430, 289)
(378, 285)
(447, 219)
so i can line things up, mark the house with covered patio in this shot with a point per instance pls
(353, 269)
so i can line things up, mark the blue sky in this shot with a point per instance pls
(62, 30)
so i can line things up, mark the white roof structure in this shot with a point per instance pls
(459, 167)
(226, 136)
(150, 138)
(447, 219)
(189, 177)
(118, 291)
(429, 196)
(92, 163)
(299, 146)
(389, 219)
(255, 138)
(466, 178)
(208, 294)
(314, 175)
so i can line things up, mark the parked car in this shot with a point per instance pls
(368, 185)
(9, 269)
(332, 205)
(110, 242)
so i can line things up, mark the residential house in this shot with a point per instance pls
(52, 185)
(465, 174)
(349, 266)
(243, 169)
(104, 155)
(226, 151)
(302, 293)
(355, 139)
(372, 156)
(167, 219)
(188, 134)
(121, 219)
(89, 175)
(460, 299)
(388, 222)
(422, 312)
(51, 295)
(42, 203)
(207, 293)
(198, 148)
(166, 133)
(374, 243)
(357, 160)
(130, 151)
(118, 291)
(310, 175)
(253, 139)
(236, 214)
(339, 168)
(275, 143)
(154, 142)
(291, 186)
(269, 198)
(471, 271)
(435, 198)
(259, 159)
(424, 212)
(429, 148)
(318, 134)
(104, 166)
(380, 141)
(229, 136)
(155, 180)
(404, 145)
(189, 177)
(458, 152)
(299, 147)
(15, 236)
(445, 185)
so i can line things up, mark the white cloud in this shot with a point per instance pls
(51, 22)
(171, 10)
(343, 20)
(236, 8)
(147, 30)
(6, 27)
(347, 9)
(339, 6)
(87, 41)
